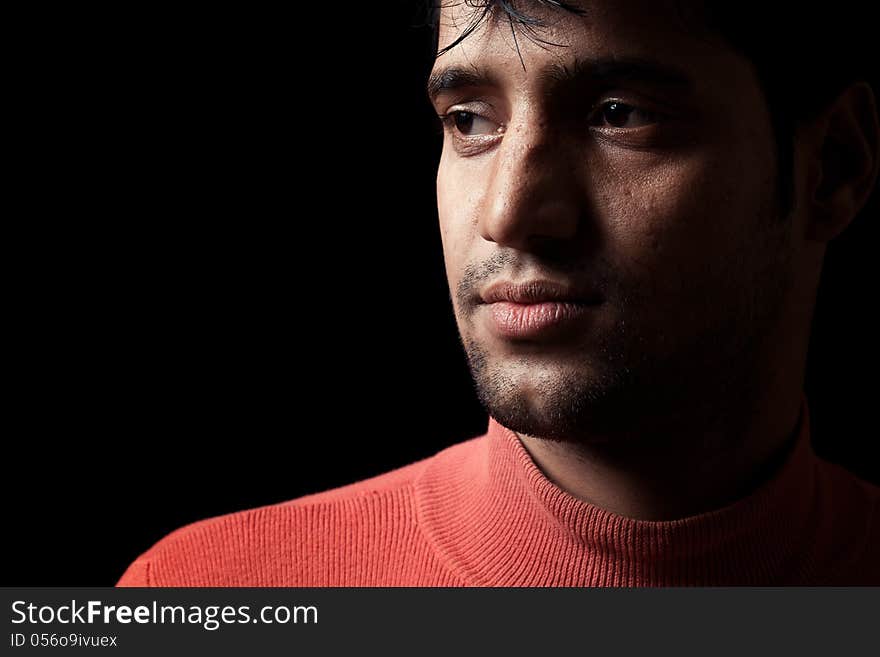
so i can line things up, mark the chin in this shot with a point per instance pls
(547, 402)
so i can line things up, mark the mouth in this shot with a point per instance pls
(537, 291)
(536, 309)
(534, 320)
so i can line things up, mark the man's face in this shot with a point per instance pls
(645, 185)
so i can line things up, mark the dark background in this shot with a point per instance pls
(225, 278)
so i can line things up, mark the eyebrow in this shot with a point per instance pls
(600, 70)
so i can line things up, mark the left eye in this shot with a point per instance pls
(620, 115)
(468, 123)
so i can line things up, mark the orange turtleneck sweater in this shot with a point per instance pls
(481, 513)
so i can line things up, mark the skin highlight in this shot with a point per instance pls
(681, 391)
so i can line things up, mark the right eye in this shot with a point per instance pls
(469, 124)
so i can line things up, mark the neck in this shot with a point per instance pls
(676, 471)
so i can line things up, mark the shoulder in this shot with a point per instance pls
(257, 546)
(850, 515)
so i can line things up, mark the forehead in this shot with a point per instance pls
(656, 21)
(662, 34)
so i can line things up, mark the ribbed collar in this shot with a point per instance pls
(496, 520)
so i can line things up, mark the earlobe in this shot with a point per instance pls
(843, 166)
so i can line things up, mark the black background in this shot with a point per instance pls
(225, 282)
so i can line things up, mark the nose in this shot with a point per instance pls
(533, 196)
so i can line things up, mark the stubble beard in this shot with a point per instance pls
(634, 385)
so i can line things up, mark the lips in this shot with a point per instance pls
(538, 291)
(536, 309)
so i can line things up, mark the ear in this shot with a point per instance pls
(843, 161)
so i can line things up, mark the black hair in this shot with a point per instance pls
(803, 55)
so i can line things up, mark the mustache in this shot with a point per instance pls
(517, 264)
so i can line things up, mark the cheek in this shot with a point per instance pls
(458, 204)
(453, 210)
(684, 217)
(445, 206)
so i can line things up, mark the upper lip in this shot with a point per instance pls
(535, 292)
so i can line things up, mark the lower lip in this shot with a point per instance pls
(532, 320)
